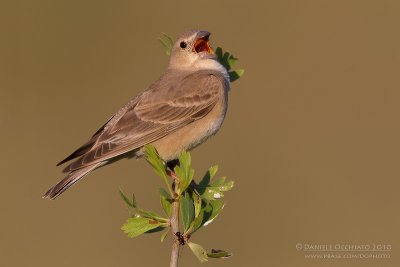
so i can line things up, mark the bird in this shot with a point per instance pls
(180, 110)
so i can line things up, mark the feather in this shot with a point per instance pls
(69, 180)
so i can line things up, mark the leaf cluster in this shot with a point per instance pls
(228, 60)
(199, 204)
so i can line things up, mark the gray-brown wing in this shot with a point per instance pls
(158, 112)
(86, 146)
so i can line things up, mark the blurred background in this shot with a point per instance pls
(311, 137)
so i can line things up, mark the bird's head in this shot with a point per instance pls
(192, 50)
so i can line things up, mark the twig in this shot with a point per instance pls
(175, 228)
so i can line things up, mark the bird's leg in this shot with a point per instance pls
(172, 164)
(193, 185)
(172, 174)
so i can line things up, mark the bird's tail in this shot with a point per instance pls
(69, 180)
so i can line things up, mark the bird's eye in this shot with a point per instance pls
(183, 45)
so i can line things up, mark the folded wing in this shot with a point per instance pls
(165, 107)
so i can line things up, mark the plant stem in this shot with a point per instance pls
(175, 229)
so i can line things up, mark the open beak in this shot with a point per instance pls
(202, 45)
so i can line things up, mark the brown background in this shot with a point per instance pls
(311, 137)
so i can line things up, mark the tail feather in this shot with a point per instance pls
(69, 180)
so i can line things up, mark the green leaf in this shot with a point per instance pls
(207, 214)
(158, 164)
(130, 203)
(197, 204)
(218, 52)
(155, 161)
(151, 215)
(167, 51)
(167, 43)
(224, 60)
(227, 186)
(211, 211)
(157, 229)
(139, 225)
(212, 193)
(235, 75)
(184, 171)
(219, 254)
(198, 251)
(164, 235)
(219, 182)
(216, 189)
(201, 187)
(166, 202)
(198, 222)
(170, 40)
(232, 61)
(186, 210)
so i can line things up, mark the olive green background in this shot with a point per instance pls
(311, 137)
